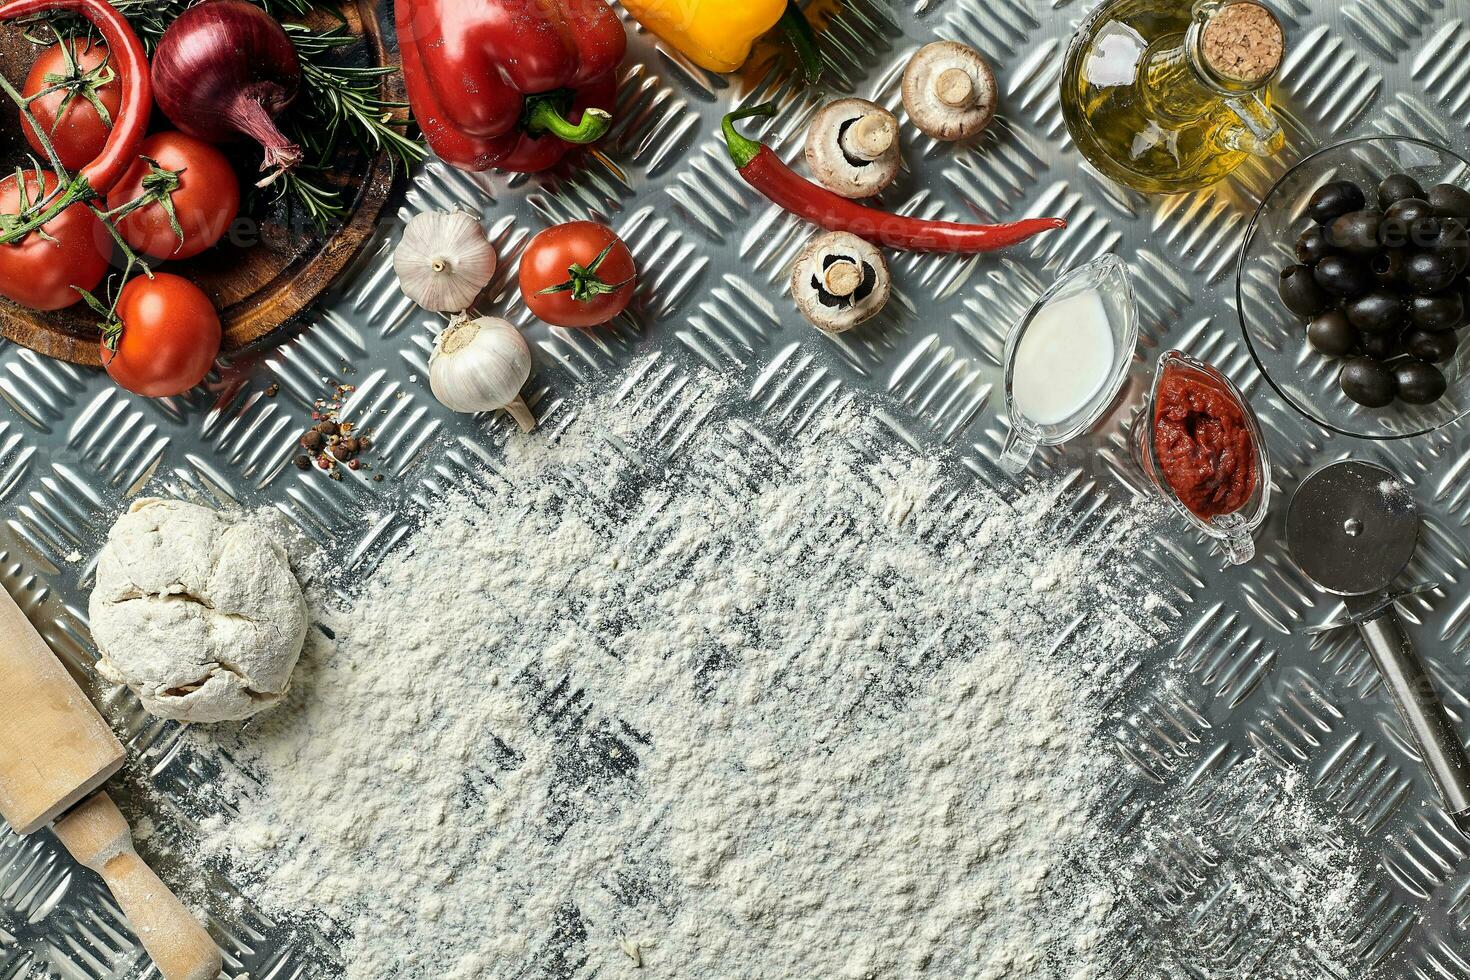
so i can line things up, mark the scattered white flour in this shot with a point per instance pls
(1244, 876)
(826, 717)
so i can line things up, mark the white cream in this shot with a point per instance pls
(1064, 358)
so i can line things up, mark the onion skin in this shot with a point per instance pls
(225, 69)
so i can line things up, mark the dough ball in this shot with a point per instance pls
(196, 612)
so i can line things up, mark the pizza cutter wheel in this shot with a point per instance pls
(1352, 528)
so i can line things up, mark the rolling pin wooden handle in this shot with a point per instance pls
(98, 836)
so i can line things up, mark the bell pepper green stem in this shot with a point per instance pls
(743, 149)
(804, 41)
(545, 116)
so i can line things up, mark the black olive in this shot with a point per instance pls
(1300, 292)
(1409, 222)
(1418, 383)
(1409, 209)
(1431, 346)
(1437, 311)
(1388, 267)
(1393, 234)
(1376, 312)
(1344, 275)
(1396, 187)
(1424, 231)
(1356, 231)
(1367, 382)
(1312, 246)
(1380, 346)
(1450, 201)
(1454, 241)
(1335, 198)
(1331, 334)
(1429, 272)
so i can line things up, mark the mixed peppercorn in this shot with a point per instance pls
(331, 443)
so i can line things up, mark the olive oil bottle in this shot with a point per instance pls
(1163, 97)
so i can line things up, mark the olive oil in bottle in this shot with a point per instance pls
(1165, 98)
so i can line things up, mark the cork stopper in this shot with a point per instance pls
(1243, 42)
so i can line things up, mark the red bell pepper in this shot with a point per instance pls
(513, 84)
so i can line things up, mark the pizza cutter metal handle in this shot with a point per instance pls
(1407, 680)
(1353, 527)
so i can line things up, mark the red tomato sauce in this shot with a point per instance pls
(1203, 445)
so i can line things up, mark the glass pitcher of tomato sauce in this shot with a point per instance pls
(1200, 445)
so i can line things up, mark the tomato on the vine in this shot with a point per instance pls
(198, 182)
(45, 269)
(579, 274)
(77, 116)
(165, 337)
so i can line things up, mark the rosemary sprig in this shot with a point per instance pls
(286, 8)
(337, 101)
(345, 98)
(150, 18)
(319, 204)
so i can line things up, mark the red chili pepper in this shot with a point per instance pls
(513, 84)
(765, 171)
(131, 64)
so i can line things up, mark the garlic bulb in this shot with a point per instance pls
(479, 366)
(443, 260)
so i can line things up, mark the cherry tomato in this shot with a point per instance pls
(206, 200)
(578, 274)
(39, 271)
(169, 336)
(69, 116)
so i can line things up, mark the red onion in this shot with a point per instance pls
(226, 69)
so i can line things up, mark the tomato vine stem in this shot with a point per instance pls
(29, 117)
(69, 190)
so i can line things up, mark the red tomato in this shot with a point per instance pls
(39, 271)
(76, 131)
(566, 279)
(206, 200)
(170, 335)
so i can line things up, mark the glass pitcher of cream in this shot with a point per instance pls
(1067, 358)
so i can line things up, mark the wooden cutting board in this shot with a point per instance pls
(275, 272)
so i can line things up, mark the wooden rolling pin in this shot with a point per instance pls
(55, 750)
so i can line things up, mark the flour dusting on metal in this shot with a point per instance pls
(1241, 685)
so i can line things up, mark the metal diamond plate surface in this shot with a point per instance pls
(73, 447)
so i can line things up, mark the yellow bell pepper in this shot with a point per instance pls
(719, 34)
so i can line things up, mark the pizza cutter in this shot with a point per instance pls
(1352, 527)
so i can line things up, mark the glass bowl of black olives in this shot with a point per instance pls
(1354, 287)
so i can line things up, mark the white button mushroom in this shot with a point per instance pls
(852, 147)
(949, 91)
(839, 281)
